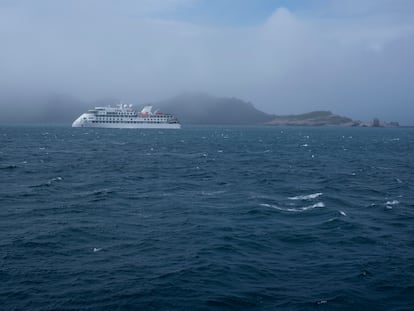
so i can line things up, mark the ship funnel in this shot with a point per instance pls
(146, 109)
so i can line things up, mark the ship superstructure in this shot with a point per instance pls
(123, 116)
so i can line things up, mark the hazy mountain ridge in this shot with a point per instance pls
(314, 118)
(191, 108)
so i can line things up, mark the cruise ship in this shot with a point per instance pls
(123, 116)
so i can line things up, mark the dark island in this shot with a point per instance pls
(320, 118)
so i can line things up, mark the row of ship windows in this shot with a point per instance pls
(118, 115)
(152, 117)
(108, 114)
(126, 121)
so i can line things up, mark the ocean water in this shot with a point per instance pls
(207, 218)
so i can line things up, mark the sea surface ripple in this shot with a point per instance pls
(206, 218)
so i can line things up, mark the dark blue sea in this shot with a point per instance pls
(206, 218)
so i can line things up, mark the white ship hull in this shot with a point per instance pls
(127, 125)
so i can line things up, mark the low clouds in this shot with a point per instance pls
(346, 58)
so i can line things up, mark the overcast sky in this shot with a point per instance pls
(354, 57)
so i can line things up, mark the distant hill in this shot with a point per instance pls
(314, 118)
(195, 108)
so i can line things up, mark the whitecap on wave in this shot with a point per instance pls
(294, 204)
(294, 209)
(212, 193)
(390, 204)
(48, 183)
(55, 179)
(306, 197)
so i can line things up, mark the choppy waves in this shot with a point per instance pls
(227, 218)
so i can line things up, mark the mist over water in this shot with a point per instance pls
(206, 218)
